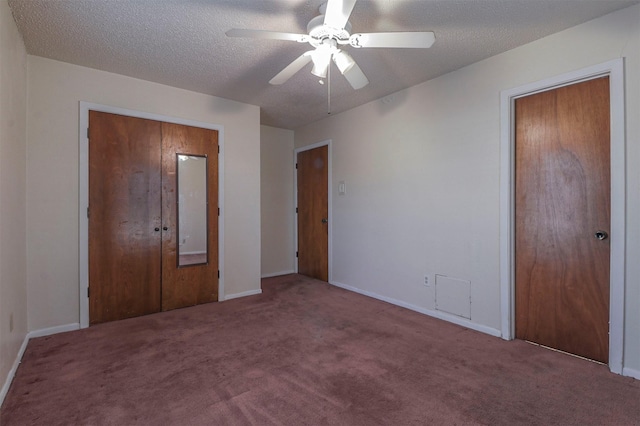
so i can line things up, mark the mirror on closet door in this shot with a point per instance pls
(192, 210)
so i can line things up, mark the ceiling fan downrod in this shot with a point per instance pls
(329, 92)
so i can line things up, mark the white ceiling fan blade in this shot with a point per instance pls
(401, 39)
(356, 77)
(338, 12)
(272, 35)
(291, 69)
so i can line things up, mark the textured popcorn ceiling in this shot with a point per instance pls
(182, 43)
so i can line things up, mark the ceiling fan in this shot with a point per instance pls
(327, 33)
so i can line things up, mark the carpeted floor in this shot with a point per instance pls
(306, 353)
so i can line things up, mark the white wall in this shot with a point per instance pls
(422, 174)
(277, 209)
(55, 89)
(13, 137)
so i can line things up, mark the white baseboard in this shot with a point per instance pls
(243, 294)
(23, 347)
(54, 330)
(436, 314)
(14, 368)
(631, 372)
(277, 274)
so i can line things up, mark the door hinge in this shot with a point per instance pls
(87, 133)
(218, 149)
(296, 254)
(296, 210)
(218, 211)
(87, 212)
(88, 290)
(218, 273)
(296, 165)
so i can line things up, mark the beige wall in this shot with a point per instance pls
(55, 89)
(277, 209)
(13, 136)
(422, 171)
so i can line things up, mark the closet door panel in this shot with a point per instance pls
(125, 211)
(188, 282)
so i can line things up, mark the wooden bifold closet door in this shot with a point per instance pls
(133, 217)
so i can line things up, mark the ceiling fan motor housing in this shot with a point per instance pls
(319, 31)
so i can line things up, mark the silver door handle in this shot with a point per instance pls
(601, 235)
(324, 220)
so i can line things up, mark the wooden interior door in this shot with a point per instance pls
(198, 283)
(562, 197)
(124, 216)
(313, 213)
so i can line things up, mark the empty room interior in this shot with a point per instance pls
(320, 212)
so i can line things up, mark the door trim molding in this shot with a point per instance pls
(615, 70)
(329, 203)
(83, 188)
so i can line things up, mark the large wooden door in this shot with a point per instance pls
(124, 219)
(198, 283)
(133, 211)
(562, 215)
(313, 210)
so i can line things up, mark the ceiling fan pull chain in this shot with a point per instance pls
(329, 90)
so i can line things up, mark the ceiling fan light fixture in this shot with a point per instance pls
(343, 61)
(321, 58)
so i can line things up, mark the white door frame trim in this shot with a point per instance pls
(83, 188)
(615, 70)
(329, 203)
